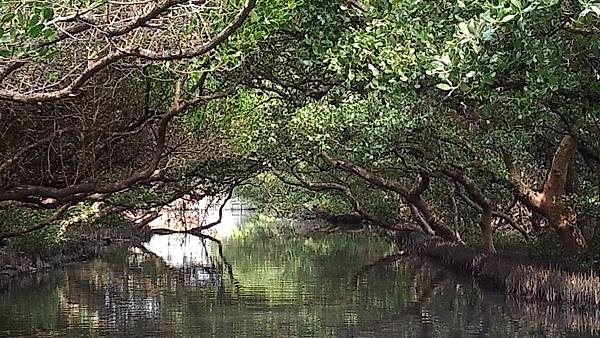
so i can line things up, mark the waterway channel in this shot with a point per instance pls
(264, 286)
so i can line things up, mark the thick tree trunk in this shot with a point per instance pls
(435, 222)
(487, 231)
(562, 220)
(549, 202)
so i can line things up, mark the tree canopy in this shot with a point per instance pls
(465, 120)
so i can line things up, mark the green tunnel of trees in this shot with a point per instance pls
(469, 120)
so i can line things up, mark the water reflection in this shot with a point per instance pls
(186, 213)
(180, 250)
(335, 286)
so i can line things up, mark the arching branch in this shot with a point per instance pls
(92, 68)
(330, 186)
(412, 196)
(53, 197)
(53, 218)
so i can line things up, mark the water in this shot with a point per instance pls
(333, 286)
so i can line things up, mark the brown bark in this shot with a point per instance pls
(412, 196)
(416, 214)
(325, 186)
(503, 216)
(358, 5)
(436, 222)
(549, 202)
(476, 199)
(433, 219)
(485, 222)
(484, 206)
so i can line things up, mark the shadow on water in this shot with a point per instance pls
(338, 285)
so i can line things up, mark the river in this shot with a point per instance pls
(263, 286)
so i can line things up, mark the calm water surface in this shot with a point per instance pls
(334, 286)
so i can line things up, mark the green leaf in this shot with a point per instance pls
(508, 17)
(373, 70)
(34, 20)
(517, 4)
(47, 13)
(7, 17)
(49, 33)
(444, 86)
(5, 38)
(584, 12)
(464, 28)
(34, 31)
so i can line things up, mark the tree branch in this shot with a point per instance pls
(94, 67)
(55, 216)
(326, 186)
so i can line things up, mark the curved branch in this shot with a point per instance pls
(55, 216)
(422, 183)
(50, 196)
(325, 186)
(92, 69)
(221, 207)
(414, 196)
(531, 198)
(497, 214)
(188, 53)
(367, 175)
(95, 67)
(198, 230)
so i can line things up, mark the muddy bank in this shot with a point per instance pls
(15, 265)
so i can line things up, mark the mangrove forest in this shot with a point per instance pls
(300, 168)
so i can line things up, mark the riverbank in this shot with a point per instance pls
(76, 248)
(509, 272)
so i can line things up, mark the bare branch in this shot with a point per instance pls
(188, 53)
(50, 196)
(92, 68)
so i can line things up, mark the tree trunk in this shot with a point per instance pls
(562, 220)
(549, 201)
(487, 232)
(435, 222)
